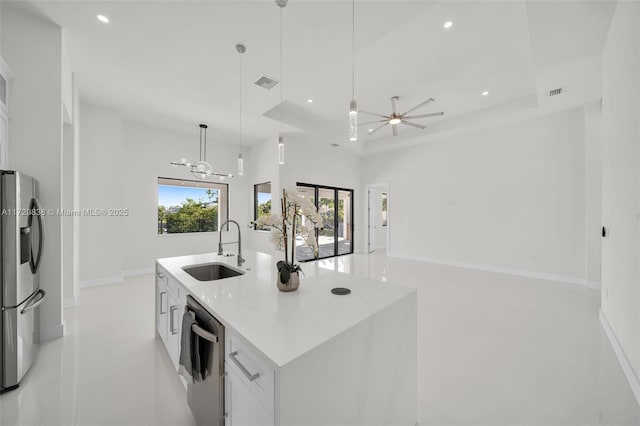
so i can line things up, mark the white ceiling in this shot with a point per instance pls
(174, 63)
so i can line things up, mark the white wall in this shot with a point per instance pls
(316, 162)
(33, 49)
(621, 184)
(102, 162)
(510, 197)
(593, 193)
(150, 151)
(261, 165)
(120, 164)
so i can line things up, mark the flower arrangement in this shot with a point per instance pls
(299, 217)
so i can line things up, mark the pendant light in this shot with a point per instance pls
(281, 4)
(201, 169)
(241, 49)
(353, 105)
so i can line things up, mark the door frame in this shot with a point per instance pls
(382, 187)
(336, 190)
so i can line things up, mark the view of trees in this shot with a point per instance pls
(191, 216)
(263, 210)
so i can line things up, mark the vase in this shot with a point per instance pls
(291, 285)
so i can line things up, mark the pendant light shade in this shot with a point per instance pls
(280, 150)
(240, 165)
(353, 121)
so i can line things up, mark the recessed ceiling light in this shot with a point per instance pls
(371, 130)
(448, 24)
(102, 18)
(485, 93)
(310, 101)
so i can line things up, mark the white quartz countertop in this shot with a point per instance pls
(284, 326)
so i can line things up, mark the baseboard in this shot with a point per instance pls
(592, 284)
(51, 333)
(70, 302)
(102, 281)
(631, 376)
(116, 278)
(136, 272)
(499, 269)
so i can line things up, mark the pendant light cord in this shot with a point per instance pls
(241, 102)
(281, 67)
(353, 49)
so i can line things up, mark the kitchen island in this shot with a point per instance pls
(321, 358)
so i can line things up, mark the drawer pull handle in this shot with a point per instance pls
(161, 275)
(242, 368)
(174, 330)
(162, 293)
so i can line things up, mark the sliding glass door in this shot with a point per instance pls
(335, 205)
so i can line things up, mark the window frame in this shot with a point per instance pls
(255, 205)
(223, 201)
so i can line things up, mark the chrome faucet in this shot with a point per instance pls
(220, 243)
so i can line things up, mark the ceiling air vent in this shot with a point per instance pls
(555, 92)
(266, 82)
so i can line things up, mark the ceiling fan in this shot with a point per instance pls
(394, 118)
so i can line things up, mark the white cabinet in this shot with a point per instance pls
(173, 330)
(170, 302)
(243, 408)
(250, 384)
(162, 304)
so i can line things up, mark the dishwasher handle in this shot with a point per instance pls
(210, 337)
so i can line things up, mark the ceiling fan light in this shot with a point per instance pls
(395, 121)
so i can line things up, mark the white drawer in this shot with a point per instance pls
(247, 363)
(172, 285)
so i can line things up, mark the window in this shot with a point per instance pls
(261, 202)
(191, 206)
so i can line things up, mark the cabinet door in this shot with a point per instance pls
(162, 297)
(243, 408)
(174, 317)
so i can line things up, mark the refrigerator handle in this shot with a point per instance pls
(35, 263)
(35, 301)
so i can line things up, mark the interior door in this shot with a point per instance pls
(371, 220)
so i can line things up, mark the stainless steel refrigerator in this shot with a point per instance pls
(22, 238)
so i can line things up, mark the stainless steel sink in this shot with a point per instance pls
(211, 271)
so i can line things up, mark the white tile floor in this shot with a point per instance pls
(492, 349)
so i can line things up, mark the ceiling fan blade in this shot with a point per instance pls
(418, 106)
(371, 122)
(433, 114)
(378, 128)
(419, 126)
(394, 127)
(372, 113)
(394, 104)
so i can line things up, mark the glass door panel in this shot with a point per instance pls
(327, 235)
(303, 251)
(345, 227)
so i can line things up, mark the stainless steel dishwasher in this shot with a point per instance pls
(206, 396)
